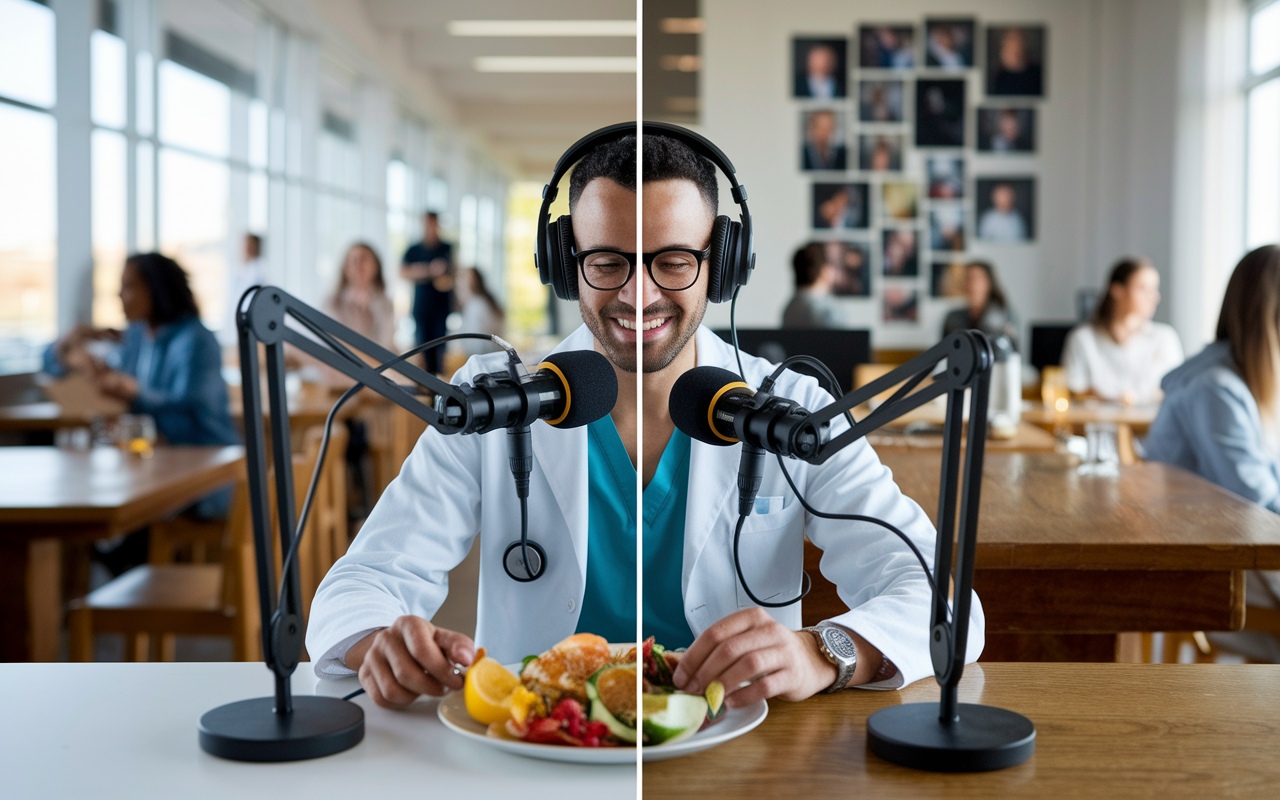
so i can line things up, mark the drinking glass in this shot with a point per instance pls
(136, 434)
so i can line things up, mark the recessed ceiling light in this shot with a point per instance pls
(542, 27)
(683, 25)
(555, 64)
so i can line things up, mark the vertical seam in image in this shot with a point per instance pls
(639, 250)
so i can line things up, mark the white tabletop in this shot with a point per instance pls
(129, 731)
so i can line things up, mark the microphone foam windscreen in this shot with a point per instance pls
(592, 385)
(691, 398)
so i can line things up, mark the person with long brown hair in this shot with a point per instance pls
(987, 309)
(1121, 354)
(360, 300)
(479, 312)
(1221, 416)
(1221, 413)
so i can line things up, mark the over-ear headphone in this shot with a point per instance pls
(732, 257)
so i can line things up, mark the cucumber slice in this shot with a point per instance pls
(611, 692)
(670, 718)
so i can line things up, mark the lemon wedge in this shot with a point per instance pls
(487, 687)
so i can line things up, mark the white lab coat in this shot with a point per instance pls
(452, 488)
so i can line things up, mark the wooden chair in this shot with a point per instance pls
(161, 601)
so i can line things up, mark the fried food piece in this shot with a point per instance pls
(563, 670)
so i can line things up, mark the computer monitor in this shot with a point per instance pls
(840, 350)
(1047, 341)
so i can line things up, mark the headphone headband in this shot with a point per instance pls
(737, 257)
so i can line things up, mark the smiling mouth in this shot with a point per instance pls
(647, 325)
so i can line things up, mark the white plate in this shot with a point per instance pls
(736, 722)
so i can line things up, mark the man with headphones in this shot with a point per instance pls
(692, 593)
(371, 613)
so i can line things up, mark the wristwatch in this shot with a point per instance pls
(836, 645)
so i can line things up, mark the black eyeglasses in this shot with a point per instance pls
(673, 268)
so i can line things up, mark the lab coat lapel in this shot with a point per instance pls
(714, 470)
(562, 457)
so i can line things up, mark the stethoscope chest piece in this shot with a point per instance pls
(513, 561)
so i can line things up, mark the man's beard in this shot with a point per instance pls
(656, 356)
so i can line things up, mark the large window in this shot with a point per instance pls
(28, 210)
(1263, 104)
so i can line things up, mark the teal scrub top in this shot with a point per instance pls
(608, 605)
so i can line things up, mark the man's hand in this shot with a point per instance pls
(752, 648)
(410, 658)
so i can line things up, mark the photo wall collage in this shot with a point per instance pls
(887, 131)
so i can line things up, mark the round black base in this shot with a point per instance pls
(983, 738)
(250, 730)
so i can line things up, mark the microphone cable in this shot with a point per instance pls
(833, 386)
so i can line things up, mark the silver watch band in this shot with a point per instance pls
(839, 650)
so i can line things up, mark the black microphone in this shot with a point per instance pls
(567, 390)
(715, 406)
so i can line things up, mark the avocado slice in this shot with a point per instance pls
(612, 693)
(670, 718)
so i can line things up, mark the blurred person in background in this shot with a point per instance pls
(480, 313)
(987, 308)
(251, 272)
(167, 364)
(429, 265)
(360, 302)
(813, 305)
(1121, 354)
(1221, 416)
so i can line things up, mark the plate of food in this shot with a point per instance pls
(578, 702)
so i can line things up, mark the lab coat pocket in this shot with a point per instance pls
(771, 551)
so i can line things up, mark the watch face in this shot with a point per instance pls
(840, 643)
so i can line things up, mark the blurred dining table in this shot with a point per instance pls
(1102, 730)
(1065, 562)
(52, 497)
(1081, 412)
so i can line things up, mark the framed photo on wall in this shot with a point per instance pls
(1015, 60)
(1007, 130)
(841, 206)
(887, 46)
(880, 101)
(823, 146)
(949, 43)
(1006, 209)
(940, 112)
(901, 252)
(852, 262)
(945, 174)
(901, 304)
(819, 67)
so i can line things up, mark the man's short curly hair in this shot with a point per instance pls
(670, 159)
(615, 160)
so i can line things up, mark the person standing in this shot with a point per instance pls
(429, 264)
(813, 305)
(251, 272)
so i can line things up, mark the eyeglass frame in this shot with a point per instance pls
(701, 255)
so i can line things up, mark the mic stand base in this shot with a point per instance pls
(251, 730)
(983, 738)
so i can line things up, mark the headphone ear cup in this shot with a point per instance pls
(566, 266)
(721, 260)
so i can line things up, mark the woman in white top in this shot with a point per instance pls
(360, 302)
(479, 311)
(1121, 354)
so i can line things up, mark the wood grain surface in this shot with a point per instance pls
(49, 491)
(1038, 513)
(1027, 439)
(1103, 730)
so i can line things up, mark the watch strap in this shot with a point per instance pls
(846, 665)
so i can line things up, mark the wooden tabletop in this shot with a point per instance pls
(1102, 730)
(1139, 418)
(1027, 439)
(50, 491)
(38, 417)
(1037, 512)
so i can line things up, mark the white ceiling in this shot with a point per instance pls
(528, 119)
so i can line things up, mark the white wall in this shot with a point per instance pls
(1111, 164)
